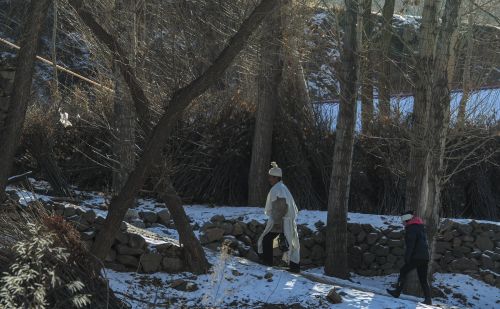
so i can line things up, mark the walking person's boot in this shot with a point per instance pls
(427, 295)
(397, 291)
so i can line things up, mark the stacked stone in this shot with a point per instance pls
(129, 252)
(471, 249)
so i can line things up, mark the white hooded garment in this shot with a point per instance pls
(289, 225)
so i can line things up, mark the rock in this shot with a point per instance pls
(398, 234)
(252, 256)
(463, 264)
(245, 239)
(368, 257)
(123, 226)
(457, 242)
(308, 242)
(447, 236)
(126, 250)
(355, 228)
(333, 297)
(468, 238)
(489, 278)
(214, 234)
(131, 215)
(238, 229)
(136, 241)
(164, 217)
(484, 243)
(383, 240)
(361, 236)
(398, 251)
(151, 262)
(380, 250)
(487, 262)
(183, 285)
(464, 229)
(148, 216)
(122, 238)
(172, 265)
(217, 219)
(69, 211)
(493, 255)
(138, 223)
(368, 228)
(89, 216)
(371, 238)
(227, 227)
(391, 258)
(381, 260)
(395, 242)
(128, 260)
(441, 246)
(253, 225)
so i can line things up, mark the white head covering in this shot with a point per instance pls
(275, 170)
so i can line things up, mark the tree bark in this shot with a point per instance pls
(366, 70)
(10, 133)
(193, 251)
(384, 89)
(431, 119)
(336, 263)
(466, 76)
(123, 108)
(156, 141)
(270, 75)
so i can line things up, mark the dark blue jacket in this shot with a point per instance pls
(416, 241)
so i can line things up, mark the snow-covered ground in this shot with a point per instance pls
(239, 283)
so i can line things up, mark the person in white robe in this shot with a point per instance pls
(282, 213)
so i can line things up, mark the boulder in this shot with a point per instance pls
(380, 250)
(69, 211)
(371, 238)
(184, 286)
(126, 250)
(227, 227)
(464, 229)
(122, 238)
(172, 265)
(355, 228)
(398, 234)
(252, 256)
(131, 214)
(89, 216)
(463, 264)
(164, 217)
(138, 223)
(484, 243)
(398, 251)
(395, 242)
(217, 219)
(368, 257)
(319, 238)
(441, 246)
(487, 262)
(238, 229)
(334, 297)
(148, 216)
(361, 236)
(127, 260)
(214, 234)
(317, 253)
(136, 241)
(151, 262)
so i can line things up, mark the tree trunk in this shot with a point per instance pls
(336, 246)
(466, 77)
(10, 133)
(124, 113)
(270, 74)
(174, 108)
(366, 70)
(197, 258)
(431, 120)
(384, 88)
(193, 251)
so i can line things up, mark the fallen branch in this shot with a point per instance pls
(18, 178)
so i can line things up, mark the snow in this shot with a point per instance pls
(236, 281)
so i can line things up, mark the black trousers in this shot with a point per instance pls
(267, 248)
(421, 266)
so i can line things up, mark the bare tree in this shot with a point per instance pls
(179, 100)
(366, 69)
(336, 263)
(270, 75)
(10, 133)
(384, 88)
(431, 116)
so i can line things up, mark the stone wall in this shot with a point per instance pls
(130, 251)
(472, 248)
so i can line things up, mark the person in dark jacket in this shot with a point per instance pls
(416, 255)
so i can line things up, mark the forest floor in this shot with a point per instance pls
(238, 283)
